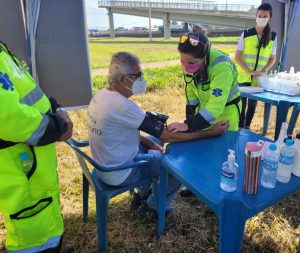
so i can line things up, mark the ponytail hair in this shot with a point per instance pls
(267, 34)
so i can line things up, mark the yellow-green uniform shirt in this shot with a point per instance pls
(211, 92)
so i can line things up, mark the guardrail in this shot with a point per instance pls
(179, 5)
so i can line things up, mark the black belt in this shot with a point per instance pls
(6, 144)
(235, 102)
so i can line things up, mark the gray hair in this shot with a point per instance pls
(121, 64)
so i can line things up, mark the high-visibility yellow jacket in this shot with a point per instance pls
(29, 203)
(214, 94)
(250, 54)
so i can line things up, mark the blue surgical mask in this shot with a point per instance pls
(139, 85)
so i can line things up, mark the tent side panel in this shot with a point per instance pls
(62, 52)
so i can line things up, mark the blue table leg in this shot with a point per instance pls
(282, 111)
(267, 111)
(162, 195)
(293, 119)
(231, 227)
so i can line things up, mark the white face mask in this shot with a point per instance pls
(139, 85)
(262, 22)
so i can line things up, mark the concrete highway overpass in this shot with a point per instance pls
(204, 12)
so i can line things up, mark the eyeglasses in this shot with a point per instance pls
(138, 75)
(193, 38)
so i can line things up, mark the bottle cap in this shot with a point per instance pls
(231, 156)
(272, 147)
(289, 142)
(24, 156)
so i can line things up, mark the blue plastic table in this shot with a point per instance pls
(197, 164)
(283, 103)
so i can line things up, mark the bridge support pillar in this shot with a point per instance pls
(111, 23)
(167, 28)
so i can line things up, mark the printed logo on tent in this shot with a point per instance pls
(6, 83)
(217, 92)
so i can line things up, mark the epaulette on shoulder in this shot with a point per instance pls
(249, 32)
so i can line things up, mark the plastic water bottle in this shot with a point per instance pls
(286, 160)
(229, 173)
(26, 162)
(269, 166)
(282, 135)
(296, 165)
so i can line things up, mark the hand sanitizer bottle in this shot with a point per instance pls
(229, 173)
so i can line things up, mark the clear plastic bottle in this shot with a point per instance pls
(282, 136)
(269, 166)
(296, 165)
(286, 160)
(229, 173)
(26, 162)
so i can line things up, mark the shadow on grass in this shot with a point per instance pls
(194, 228)
(268, 246)
(289, 209)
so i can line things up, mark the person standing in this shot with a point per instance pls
(255, 56)
(29, 195)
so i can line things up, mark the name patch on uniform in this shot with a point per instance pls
(6, 83)
(217, 92)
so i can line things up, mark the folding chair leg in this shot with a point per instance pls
(102, 201)
(85, 198)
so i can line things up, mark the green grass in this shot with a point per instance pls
(157, 78)
(101, 49)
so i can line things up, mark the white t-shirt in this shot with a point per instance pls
(113, 122)
(241, 45)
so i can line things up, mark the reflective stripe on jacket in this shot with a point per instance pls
(212, 95)
(29, 204)
(251, 48)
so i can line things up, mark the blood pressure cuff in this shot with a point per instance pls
(196, 122)
(152, 126)
(190, 110)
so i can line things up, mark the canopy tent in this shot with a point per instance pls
(286, 16)
(53, 33)
(290, 52)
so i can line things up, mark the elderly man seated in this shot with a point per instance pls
(115, 122)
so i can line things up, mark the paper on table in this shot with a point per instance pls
(251, 89)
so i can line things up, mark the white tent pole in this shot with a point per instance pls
(32, 14)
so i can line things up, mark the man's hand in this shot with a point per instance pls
(219, 128)
(68, 134)
(177, 127)
(155, 146)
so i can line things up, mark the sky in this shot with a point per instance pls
(97, 17)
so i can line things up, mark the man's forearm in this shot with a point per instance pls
(145, 141)
(178, 137)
